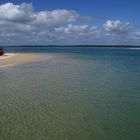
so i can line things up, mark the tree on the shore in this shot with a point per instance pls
(1, 51)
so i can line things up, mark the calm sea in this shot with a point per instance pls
(76, 94)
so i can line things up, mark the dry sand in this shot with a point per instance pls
(10, 59)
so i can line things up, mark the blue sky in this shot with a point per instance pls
(91, 22)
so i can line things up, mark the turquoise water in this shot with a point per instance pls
(76, 94)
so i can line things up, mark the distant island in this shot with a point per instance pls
(112, 46)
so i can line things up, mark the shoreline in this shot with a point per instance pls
(7, 55)
(11, 59)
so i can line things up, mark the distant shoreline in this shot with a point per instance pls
(94, 46)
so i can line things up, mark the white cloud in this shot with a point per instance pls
(136, 34)
(116, 27)
(25, 13)
(16, 13)
(16, 20)
(21, 24)
(22, 20)
(55, 17)
(80, 30)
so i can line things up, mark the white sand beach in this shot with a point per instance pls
(10, 59)
(135, 48)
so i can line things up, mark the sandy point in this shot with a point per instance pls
(10, 59)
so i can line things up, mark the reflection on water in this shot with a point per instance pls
(72, 96)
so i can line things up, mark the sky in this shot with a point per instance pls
(69, 22)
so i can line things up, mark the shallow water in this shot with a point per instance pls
(78, 94)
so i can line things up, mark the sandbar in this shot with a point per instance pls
(10, 59)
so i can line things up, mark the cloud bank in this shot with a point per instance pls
(21, 24)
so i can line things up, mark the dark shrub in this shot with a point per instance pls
(1, 51)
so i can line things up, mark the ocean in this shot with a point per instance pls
(80, 93)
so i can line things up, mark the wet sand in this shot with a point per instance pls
(10, 59)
